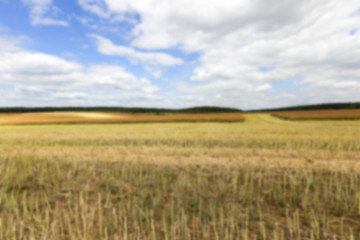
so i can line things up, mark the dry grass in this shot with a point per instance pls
(264, 178)
(91, 117)
(319, 114)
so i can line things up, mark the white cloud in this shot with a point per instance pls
(152, 61)
(95, 6)
(311, 41)
(107, 47)
(43, 12)
(309, 38)
(33, 78)
(29, 65)
(10, 43)
(115, 77)
(83, 20)
(193, 23)
(101, 9)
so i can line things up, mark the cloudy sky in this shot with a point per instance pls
(161, 53)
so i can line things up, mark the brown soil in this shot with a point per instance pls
(319, 114)
(77, 117)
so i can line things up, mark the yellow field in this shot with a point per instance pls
(264, 178)
(319, 114)
(93, 117)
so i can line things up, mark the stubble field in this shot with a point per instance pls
(319, 114)
(264, 178)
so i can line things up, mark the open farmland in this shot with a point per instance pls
(92, 117)
(264, 178)
(319, 114)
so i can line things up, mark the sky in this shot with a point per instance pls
(247, 54)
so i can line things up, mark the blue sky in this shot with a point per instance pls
(178, 54)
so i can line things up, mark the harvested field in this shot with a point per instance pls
(264, 178)
(92, 117)
(319, 114)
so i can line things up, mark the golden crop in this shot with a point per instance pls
(264, 178)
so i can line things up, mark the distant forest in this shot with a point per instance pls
(323, 106)
(206, 109)
(203, 109)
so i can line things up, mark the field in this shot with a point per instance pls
(97, 117)
(263, 178)
(319, 114)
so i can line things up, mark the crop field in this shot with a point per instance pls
(319, 114)
(92, 117)
(262, 178)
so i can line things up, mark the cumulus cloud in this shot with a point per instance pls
(115, 77)
(33, 78)
(10, 43)
(153, 62)
(101, 9)
(193, 23)
(97, 7)
(314, 39)
(107, 47)
(43, 12)
(29, 64)
(251, 53)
